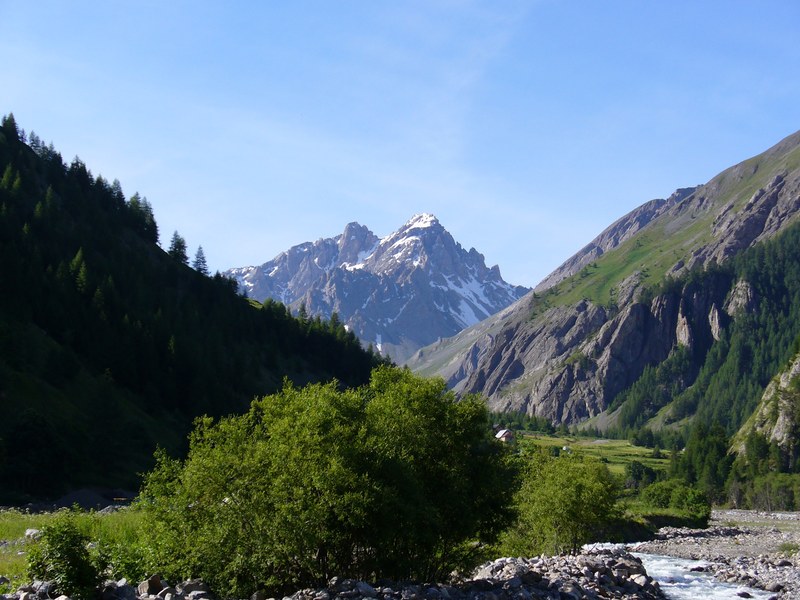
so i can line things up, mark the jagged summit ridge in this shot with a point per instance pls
(399, 292)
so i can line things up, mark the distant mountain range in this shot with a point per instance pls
(398, 293)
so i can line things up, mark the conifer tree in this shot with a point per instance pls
(177, 248)
(199, 264)
(9, 126)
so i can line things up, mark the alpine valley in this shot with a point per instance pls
(680, 322)
(399, 293)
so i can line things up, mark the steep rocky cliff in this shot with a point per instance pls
(569, 364)
(589, 329)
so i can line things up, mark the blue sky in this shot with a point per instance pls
(526, 126)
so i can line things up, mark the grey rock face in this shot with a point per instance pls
(761, 217)
(715, 321)
(775, 417)
(568, 364)
(399, 293)
(741, 300)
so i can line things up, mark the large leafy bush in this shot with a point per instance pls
(564, 502)
(395, 480)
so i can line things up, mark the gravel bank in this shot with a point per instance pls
(598, 575)
(744, 547)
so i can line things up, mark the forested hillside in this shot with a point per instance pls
(110, 346)
(720, 381)
(740, 328)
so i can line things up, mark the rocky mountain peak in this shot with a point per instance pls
(421, 221)
(399, 292)
(355, 244)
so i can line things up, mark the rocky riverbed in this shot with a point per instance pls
(608, 573)
(752, 548)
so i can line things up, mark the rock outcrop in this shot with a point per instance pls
(776, 417)
(568, 364)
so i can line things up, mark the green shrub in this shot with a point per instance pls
(564, 502)
(789, 548)
(692, 501)
(61, 555)
(659, 494)
(392, 480)
(133, 561)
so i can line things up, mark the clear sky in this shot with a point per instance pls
(527, 127)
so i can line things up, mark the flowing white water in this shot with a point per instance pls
(678, 581)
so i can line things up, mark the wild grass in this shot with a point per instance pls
(614, 453)
(788, 548)
(118, 527)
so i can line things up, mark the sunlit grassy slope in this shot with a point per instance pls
(671, 238)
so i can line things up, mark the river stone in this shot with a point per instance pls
(125, 591)
(44, 589)
(167, 590)
(366, 589)
(193, 585)
(109, 592)
(570, 592)
(151, 586)
(775, 586)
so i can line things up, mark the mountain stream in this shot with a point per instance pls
(679, 582)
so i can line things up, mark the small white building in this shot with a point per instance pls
(505, 435)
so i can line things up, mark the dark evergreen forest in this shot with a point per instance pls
(110, 346)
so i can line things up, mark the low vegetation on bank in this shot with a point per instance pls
(390, 480)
